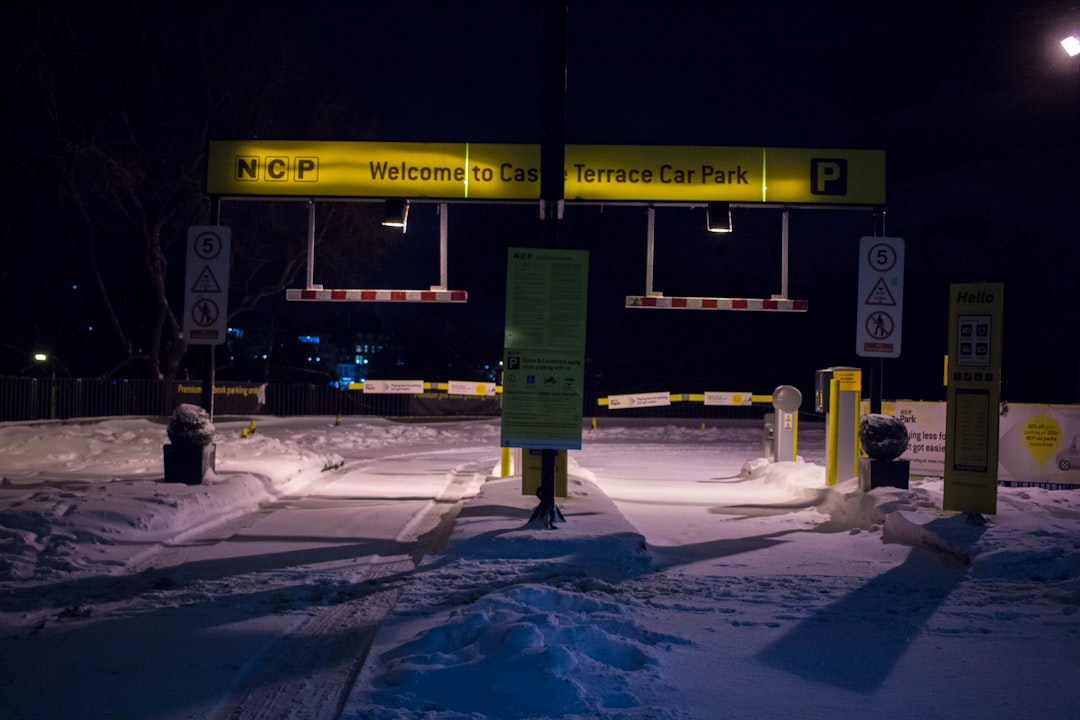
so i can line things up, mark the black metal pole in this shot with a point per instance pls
(876, 369)
(209, 360)
(553, 111)
(552, 167)
(877, 365)
(207, 396)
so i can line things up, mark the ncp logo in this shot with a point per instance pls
(828, 176)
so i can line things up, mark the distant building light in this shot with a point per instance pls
(235, 332)
(89, 328)
(314, 339)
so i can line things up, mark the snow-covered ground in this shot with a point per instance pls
(690, 579)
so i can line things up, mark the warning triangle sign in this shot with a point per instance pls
(206, 282)
(880, 294)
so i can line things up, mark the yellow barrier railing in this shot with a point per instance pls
(696, 397)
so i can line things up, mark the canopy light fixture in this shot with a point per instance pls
(396, 214)
(1071, 45)
(718, 217)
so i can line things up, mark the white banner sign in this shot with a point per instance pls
(728, 398)
(639, 400)
(1037, 443)
(393, 387)
(471, 388)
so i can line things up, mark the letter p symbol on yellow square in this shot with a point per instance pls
(828, 176)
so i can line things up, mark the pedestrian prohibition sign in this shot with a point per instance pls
(206, 285)
(881, 297)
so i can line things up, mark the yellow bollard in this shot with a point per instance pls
(337, 421)
(506, 464)
(594, 423)
(243, 432)
(702, 426)
(252, 426)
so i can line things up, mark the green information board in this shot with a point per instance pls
(544, 348)
(973, 397)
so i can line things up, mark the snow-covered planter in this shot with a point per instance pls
(884, 439)
(191, 451)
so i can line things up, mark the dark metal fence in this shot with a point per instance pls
(23, 399)
(62, 398)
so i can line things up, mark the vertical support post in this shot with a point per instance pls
(856, 445)
(210, 358)
(444, 230)
(552, 167)
(310, 245)
(209, 378)
(52, 395)
(875, 382)
(842, 440)
(650, 252)
(877, 365)
(832, 433)
(553, 121)
(784, 254)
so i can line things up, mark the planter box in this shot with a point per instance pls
(188, 465)
(883, 473)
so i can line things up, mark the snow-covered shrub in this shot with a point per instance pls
(883, 437)
(190, 426)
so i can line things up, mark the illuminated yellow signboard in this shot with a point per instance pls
(597, 173)
(800, 175)
(630, 172)
(370, 169)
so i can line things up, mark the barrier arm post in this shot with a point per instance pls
(832, 433)
(650, 252)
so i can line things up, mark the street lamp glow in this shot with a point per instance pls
(1071, 45)
(40, 357)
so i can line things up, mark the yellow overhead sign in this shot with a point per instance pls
(598, 173)
(633, 172)
(801, 175)
(371, 169)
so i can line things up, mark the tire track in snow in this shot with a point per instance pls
(337, 637)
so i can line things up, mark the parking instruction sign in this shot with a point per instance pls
(544, 348)
(881, 297)
(973, 398)
(206, 285)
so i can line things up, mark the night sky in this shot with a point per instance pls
(974, 103)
